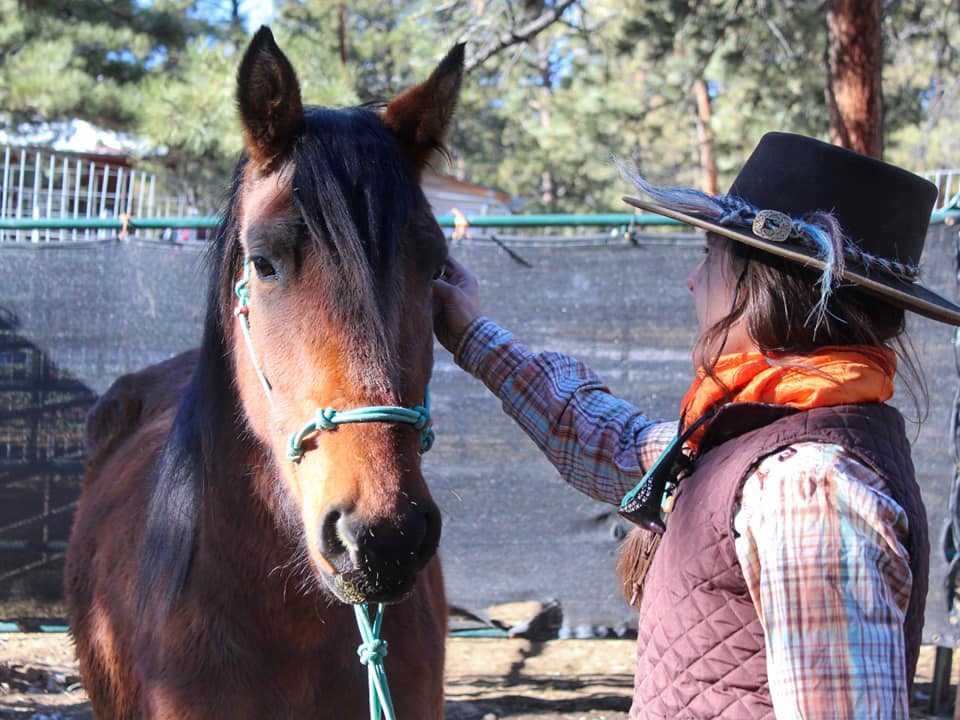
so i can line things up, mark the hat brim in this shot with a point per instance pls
(911, 296)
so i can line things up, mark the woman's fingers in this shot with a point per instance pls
(456, 303)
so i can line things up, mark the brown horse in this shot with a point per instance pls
(208, 574)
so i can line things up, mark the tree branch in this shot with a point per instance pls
(519, 35)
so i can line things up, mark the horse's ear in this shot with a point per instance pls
(268, 95)
(421, 115)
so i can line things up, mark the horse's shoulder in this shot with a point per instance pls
(134, 399)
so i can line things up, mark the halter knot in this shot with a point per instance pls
(373, 651)
(425, 425)
(423, 417)
(241, 289)
(326, 419)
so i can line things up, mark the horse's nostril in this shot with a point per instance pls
(431, 536)
(334, 532)
(345, 535)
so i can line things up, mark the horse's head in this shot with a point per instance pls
(339, 247)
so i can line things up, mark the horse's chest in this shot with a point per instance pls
(266, 685)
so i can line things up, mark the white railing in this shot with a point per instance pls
(947, 182)
(44, 185)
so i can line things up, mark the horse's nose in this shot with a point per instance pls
(398, 545)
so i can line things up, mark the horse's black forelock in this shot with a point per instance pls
(357, 195)
(354, 184)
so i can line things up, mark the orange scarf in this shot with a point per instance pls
(837, 375)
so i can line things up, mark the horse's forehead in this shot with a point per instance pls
(265, 196)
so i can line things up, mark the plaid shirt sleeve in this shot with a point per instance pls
(600, 444)
(821, 547)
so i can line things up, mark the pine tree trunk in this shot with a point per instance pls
(854, 64)
(342, 31)
(548, 190)
(708, 160)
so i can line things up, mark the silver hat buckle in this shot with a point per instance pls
(772, 225)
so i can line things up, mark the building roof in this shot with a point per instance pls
(451, 184)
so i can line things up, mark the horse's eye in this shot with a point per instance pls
(264, 268)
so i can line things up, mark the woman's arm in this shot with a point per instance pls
(599, 443)
(820, 544)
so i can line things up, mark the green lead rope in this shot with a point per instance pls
(372, 651)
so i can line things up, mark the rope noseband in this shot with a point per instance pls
(372, 649)
(328, 419)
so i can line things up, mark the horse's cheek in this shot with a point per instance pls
(291, 479)
(307, 488)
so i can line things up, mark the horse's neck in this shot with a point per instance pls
(245, 537)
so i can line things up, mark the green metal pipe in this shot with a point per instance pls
(7, 626)
(211, 221)
(948, 216)
(199, 221)
(479, 633)
(58, 545)
(560, 220)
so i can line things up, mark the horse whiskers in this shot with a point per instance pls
(291, 563)
(311, 585)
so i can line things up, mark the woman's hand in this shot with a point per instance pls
(456, 303)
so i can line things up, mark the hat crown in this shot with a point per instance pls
(883, 209)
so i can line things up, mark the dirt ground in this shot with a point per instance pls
(487, 679)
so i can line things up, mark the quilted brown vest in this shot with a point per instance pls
(700, 650)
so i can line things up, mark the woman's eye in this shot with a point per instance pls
(705, 249)
(264, 268)
(439, 272)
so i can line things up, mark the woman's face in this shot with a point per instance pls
(713, 283)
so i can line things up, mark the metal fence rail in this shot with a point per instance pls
(144, 225)
(948, 185)
(40, 185)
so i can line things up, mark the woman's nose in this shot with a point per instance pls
(692, 277)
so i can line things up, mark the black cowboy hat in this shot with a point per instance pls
(883, 211)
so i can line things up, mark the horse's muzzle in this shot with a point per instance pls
(378, 561)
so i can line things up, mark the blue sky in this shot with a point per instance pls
(257, 12)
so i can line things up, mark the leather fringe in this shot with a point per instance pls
(633, 562)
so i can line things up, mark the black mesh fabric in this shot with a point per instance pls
(512, 529)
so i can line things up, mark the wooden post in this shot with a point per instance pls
(942, 663)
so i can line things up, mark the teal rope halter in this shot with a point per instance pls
(242, 311)
(329, 419)
(372, 649)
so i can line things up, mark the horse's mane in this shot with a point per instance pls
(357, 195)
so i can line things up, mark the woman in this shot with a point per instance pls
(791, 576)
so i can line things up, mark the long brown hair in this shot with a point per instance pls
(779, 300)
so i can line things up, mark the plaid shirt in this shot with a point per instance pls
(819, 541)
